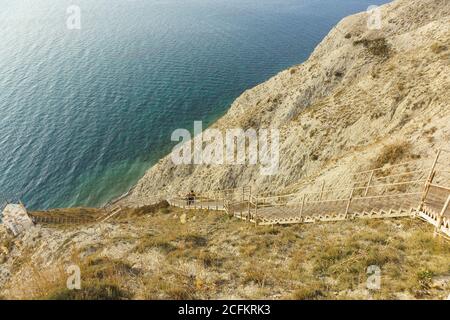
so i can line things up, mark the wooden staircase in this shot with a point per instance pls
(59, 220)
(114, 211)
(388, 192)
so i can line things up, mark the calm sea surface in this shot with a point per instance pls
(83, 113)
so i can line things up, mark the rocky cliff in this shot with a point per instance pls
(362, 89)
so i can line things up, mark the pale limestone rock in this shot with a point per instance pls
(338, 109)
(16, 219)
(183, 218)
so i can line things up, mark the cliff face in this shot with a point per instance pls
(359, 91)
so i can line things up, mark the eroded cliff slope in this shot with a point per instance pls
(360, 90)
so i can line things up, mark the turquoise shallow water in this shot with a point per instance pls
(83, 113)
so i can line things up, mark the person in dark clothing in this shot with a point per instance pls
(190, 198)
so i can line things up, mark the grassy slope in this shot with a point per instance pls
(212, 256)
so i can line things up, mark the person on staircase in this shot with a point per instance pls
(190, 198)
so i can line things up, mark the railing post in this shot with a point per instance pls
(225, 201)
(321, 191)
(429, 181)
(303, 205)
(349, 203)
(441, 217)
(249, 202)
(368, 183)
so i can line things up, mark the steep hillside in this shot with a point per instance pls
(359, 91)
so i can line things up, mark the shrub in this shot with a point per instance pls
(377, 47)
(159, 242)
(423, 281)
(7, 243)
(209, 259)
(313, 292)
(163, 206)
(257, 275)
(194, 240)
(392, 153)
(438, 48)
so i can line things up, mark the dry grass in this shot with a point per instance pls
(314, 291)
(159, 242)
(392, 153)
(213, 256)
(377, 47)
(101, 279)
(438, 48)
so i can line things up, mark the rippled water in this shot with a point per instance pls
(83, 113)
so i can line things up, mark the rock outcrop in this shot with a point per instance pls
(16, 219)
